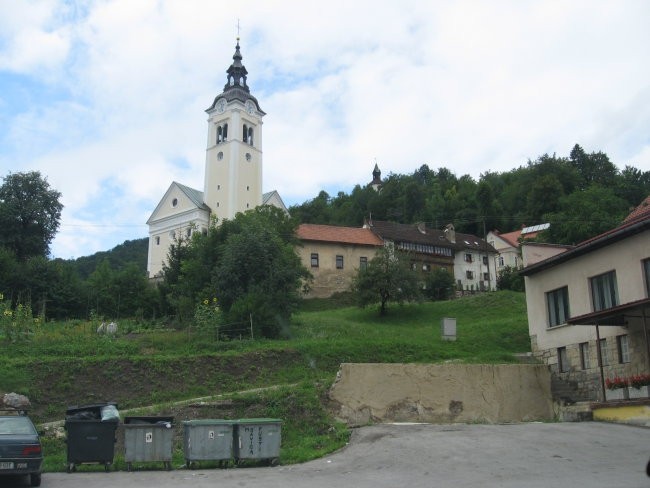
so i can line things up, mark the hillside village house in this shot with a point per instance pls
(589, 308)
(334, 255)
(508, 245)
(233, 171)
(469, 258)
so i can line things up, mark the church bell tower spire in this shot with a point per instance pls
(233, 166)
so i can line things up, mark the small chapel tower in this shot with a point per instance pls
(233, 162)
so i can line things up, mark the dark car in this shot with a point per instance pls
(20, 448)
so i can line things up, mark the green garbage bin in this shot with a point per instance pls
(90, 434)
(258, 439)
(148, 439)
(207, 440)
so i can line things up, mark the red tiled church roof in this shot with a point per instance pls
(332, 233)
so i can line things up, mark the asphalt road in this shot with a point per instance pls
(576, 455)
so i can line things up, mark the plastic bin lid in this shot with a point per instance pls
(209, 422)
(259, 421)
(72, 409)
(147, 420)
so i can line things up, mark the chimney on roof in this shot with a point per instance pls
(450, 233)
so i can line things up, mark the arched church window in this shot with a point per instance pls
(225, 132)
(245, 133)
(219, 156)
(250, 136)
(219, 135)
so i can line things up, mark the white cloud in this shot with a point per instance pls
(111, 94)
(32, 37)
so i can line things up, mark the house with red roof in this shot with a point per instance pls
(334, 254)
(589, 310)
(508, 244)
(469, 258)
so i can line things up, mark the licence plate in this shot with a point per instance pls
(6, 465)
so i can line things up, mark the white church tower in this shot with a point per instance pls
(233, 163)
(233, 172)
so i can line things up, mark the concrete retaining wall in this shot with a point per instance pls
(442, 393)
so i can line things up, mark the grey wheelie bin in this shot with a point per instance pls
(207, 440)
(90, 435)
(148, 439)
(258, 439)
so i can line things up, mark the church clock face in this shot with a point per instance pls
(221, 105)
(250, 107)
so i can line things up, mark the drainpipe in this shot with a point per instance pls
(600, 362)
(647, 341)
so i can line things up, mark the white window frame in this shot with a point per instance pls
(585, 360)
(604, 291)
(563, 365)
(557, 306)
(623, 346)
(604, 355)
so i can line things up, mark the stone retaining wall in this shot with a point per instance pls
(442, 393)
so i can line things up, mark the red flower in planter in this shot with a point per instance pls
(616, 382)
(639, 380)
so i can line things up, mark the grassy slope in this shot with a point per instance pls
(68, 364)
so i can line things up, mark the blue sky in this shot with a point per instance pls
(106, 98)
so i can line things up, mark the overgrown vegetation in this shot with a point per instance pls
(67, 363)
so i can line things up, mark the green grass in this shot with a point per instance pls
(67, 363)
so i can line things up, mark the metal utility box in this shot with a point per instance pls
(448, 328)
(90, 439)
(148, 439)
(258, 439)
(207, 440)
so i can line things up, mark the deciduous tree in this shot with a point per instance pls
(387, 278)
(30, 213)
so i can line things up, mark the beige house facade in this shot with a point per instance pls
(334, 255)
(589, 309)
(508, 245)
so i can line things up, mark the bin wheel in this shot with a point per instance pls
(274, 461)
(71, 468)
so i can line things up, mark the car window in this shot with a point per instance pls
(16, 425)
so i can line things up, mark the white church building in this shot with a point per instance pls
(233, 172)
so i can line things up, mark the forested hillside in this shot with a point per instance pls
(129, 252)
(581, 196)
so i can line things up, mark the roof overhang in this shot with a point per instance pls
(618, 315)
(622, 232)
